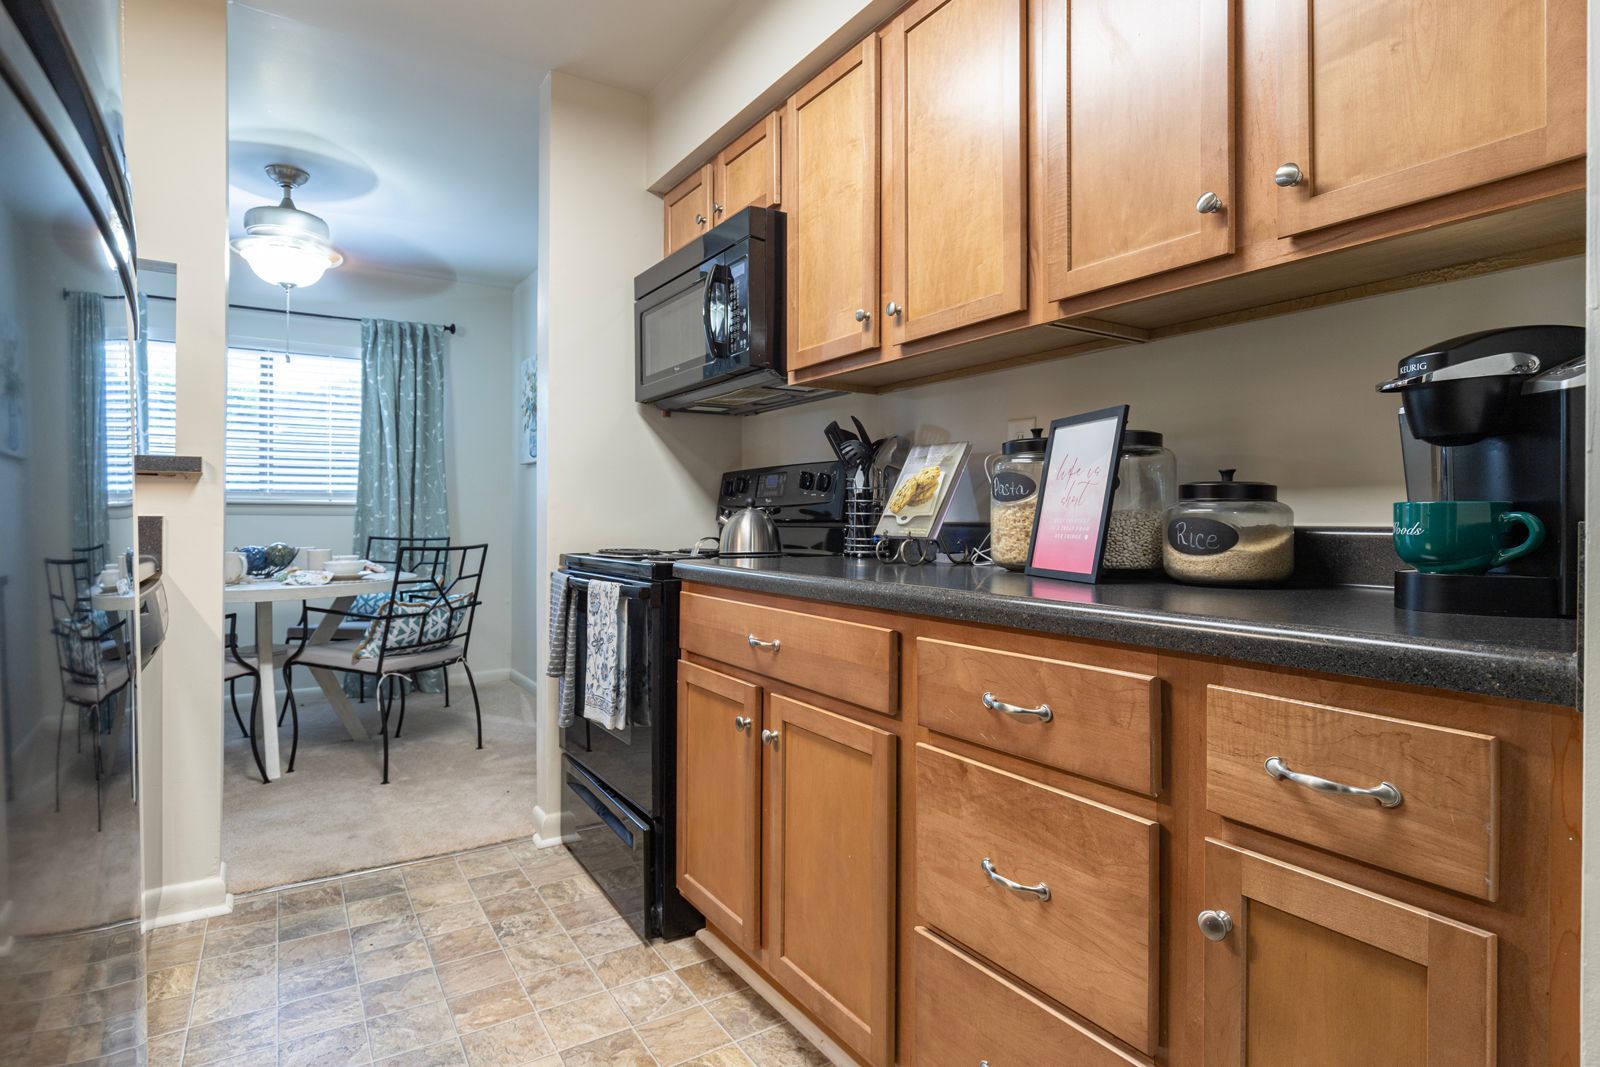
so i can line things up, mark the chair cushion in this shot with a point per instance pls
(341, 656)
(78, 643)
(111, 680)
(414, 626)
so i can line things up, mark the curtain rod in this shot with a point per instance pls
(447, 327)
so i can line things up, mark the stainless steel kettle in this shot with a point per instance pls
(749, 532)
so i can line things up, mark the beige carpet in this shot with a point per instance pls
(332, 816)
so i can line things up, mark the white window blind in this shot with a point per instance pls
(293, 426)
(161, 412)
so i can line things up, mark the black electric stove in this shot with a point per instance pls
(619, 785)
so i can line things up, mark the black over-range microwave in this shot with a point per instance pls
(708, 322)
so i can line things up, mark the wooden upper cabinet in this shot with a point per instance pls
(1310, 970)
(719, 800)
(830, 897)
(955, 160)
(688, 209)
(1382, 103)
(748, 171)
(830, 193)
(1136, 115)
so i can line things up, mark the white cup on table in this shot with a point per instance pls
(317, 558)
(233, 567)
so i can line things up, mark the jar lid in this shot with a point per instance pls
(1227, 489)
(1035, 443)
(1141, 439)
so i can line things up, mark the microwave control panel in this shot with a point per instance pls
(794, 491)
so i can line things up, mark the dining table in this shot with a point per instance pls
(264, 593)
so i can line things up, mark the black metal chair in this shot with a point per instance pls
(236, 665)
(443, 578)
(384, 550)
(90, 679)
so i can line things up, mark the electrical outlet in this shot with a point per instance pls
(1020, 427)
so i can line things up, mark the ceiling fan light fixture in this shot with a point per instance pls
(282, 244)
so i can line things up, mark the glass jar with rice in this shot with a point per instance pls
(1014, 477)
(1229, 533)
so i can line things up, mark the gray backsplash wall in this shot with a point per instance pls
(1287, 400)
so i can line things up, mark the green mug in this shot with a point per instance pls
(1460, 536)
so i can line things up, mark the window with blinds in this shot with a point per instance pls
(160, 432)
(293, 427)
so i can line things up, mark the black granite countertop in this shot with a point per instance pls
(1350, 630)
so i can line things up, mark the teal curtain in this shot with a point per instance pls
(87, 385)
(400, 490)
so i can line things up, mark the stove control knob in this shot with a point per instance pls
(807, 479)
(824, 482)
(727, 487)
(743, 485)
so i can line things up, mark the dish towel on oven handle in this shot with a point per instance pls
(563, 663)
(605, 681)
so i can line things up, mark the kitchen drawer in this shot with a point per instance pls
(1446, 782)
(1102, 724)
(848, 660)
(1091, 943)
(968, 1014)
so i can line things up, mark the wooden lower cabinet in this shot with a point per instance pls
(1307, 970)
(719, 800)
(829, 813)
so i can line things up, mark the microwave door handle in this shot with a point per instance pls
(705, 311)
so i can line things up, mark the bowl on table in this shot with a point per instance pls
(346, 567)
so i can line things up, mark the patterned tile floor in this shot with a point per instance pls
(494, 958)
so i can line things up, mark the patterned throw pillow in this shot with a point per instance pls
(78, 643)
(414, 626)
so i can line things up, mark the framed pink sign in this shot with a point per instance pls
(1080, 473)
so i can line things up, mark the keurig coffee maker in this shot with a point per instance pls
(1498, 415)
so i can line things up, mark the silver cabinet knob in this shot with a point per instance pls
(1289, 174)
(1216, 925)
(742, 723)
(892, 309)
(699, 219)
(716, 209)
(862, 314)
(769, 737)
(1208, 204)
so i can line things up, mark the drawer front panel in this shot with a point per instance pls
(848, 660)
(1092, 944)
(968, 1014)
(1433, 807)
(1102, 724)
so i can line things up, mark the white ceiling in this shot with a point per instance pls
(417, 118)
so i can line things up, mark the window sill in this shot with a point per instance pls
(256, 503)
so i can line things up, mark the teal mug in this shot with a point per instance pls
(1460, 536)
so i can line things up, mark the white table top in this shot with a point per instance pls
(253, 592)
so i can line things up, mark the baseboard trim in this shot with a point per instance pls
(779, 1003)
(522, 681)
(547, 828)
(183, 902)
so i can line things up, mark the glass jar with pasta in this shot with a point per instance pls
(1014, 477)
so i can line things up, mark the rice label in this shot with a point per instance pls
(1201, 537)
(1009, 486)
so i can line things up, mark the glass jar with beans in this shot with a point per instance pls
(1147, 484)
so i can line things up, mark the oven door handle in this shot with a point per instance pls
(626, 829)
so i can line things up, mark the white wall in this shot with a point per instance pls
(1288, 400)
(481, 430)
(609, 471)
(176, 103)
(747, 63)
(525, 609)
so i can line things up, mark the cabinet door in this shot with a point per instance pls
(747, 171)
(1310, 970)
(956, 155)
(688, 210)
(719, 800)
(830, 824)
(1382, 103)
(831, 197)
(1136, 106)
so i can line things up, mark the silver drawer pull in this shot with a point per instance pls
(1042, 712)
(1041, 890)
(1385, 793)
(756, 642)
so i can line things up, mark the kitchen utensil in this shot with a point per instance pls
(861, 432)
(1460, 536)
(749, 532)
